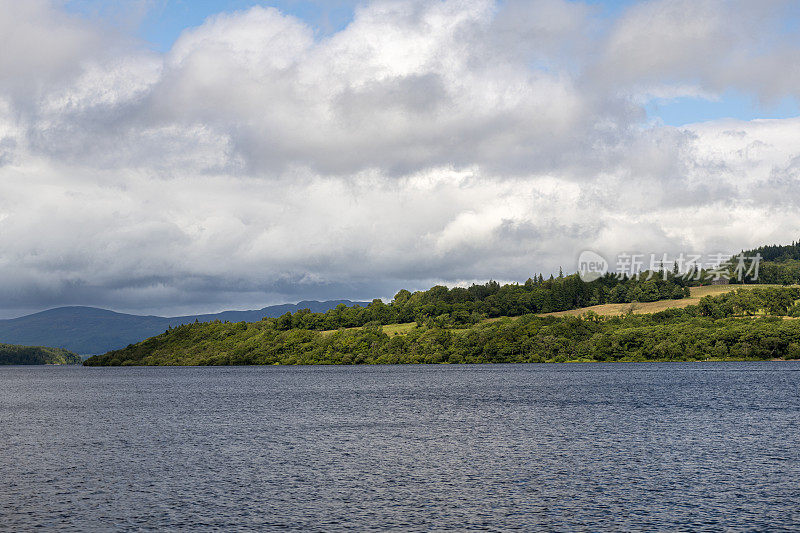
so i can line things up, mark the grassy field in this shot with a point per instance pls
(661, 305)
(389, 329)
(399, 329)
(638, 308)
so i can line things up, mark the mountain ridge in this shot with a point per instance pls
(93, 330)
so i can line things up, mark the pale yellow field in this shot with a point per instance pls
(661, 305)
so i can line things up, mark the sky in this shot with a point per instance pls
(174, 157)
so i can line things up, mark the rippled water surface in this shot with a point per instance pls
(563, 447)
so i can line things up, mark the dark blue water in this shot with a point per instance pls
(564, 447)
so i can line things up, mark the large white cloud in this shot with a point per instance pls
(450, 141)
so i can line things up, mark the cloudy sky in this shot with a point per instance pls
(170, 156)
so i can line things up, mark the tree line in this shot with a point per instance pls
(746, 324)
(443, 307)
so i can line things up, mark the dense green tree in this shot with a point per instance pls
(12, 354)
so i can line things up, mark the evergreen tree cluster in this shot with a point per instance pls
(779, 265)
(776, 252)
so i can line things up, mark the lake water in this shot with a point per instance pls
(676, 446)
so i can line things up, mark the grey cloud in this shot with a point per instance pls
(7, 146)
(780, 188)
(412, 95)
(718, 44)
(42, 46)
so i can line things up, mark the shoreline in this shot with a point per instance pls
(571, 362)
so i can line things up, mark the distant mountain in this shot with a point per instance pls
(89, 330)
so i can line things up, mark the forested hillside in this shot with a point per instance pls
(746, 324)
(460, 324)
(11, 354)
(462, 306)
